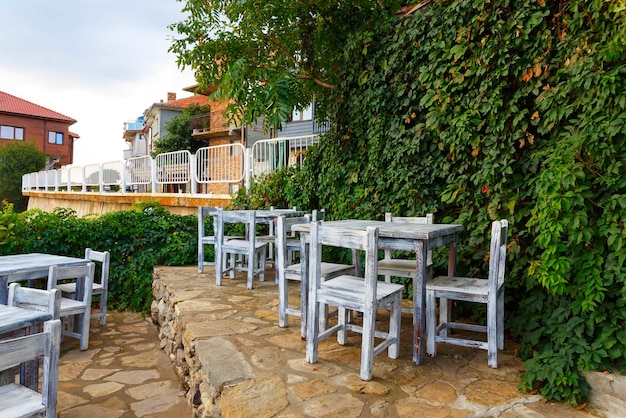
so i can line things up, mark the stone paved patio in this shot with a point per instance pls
(236, 362)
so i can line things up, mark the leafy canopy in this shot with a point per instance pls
(271, 57)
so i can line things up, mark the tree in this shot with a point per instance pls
(179, 134)
(17, 159)
(270, 58)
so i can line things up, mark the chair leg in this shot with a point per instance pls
(492, 337)
(219, 266)
(367, 344)
(312, 333)
(84, 331)
(103, 308)
(200, 258)
(431, 323)
(283, 302)
(500, 319)
(342, 319)
(395, 316)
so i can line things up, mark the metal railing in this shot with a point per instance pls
(215, 169)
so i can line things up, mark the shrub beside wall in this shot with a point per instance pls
(138, 240)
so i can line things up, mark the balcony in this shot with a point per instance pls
(212, 125)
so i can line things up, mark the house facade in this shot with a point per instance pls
(21, 120)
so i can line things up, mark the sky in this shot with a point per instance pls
(100, 62)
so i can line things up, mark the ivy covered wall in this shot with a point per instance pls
(480, 110)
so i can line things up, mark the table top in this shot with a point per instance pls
(19, 263)
(399, 230)
(13, 318)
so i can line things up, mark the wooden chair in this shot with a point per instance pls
(80, 307)
(354, 294)
(253, 252)
(100, 288)
(35, 299)
(286, 271)
(396, 267)
(204, 213)
(270, 238)
(489, 291)
(17, 400)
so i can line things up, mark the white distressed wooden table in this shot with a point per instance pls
(29, 266)
(13, 320)
(400, 236)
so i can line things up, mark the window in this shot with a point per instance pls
(300, 115)
(11, 132)
(55, 138)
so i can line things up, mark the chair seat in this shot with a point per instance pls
(353, 288)
(459, 285)
(72, 307)
(18, 401)
(329, 270)
(397, 267)
(240, 246)
(70, 288)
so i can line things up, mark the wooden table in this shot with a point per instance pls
(401, 236)
(30, 266)
(12, 320)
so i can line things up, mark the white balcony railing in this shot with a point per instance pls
(209, 170)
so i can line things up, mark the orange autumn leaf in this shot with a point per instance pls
(535, 115)
(528, 75)
(475, 152)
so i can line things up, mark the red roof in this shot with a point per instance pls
(187, 101)
(17, 106)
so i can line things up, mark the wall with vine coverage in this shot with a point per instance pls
(480, 110)
(138, 240)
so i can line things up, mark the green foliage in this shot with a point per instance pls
(281, 189)
(271, 57)
(16, 159)
(479, 110)
(138, 240)
(179, 133)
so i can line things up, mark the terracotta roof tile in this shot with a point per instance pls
(15, 105)
(187, 101)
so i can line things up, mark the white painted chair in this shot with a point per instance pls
(35, 299)
(252, 253)
(286, 271)
(100, 286)
(351, 293)
(489, 291)
(80, 307)
(17, 400)
(396, 267)
(204, 214)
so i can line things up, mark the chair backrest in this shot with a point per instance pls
(203, 213)
(35, 299)
(246, 217)
(81, 273)
(30, 347)
(283, 229)
(103, 257)
(497, 253)
(356, 240)
(428, 219)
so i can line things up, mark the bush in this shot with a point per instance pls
(138, 240)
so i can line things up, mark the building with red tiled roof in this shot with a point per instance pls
(21, 120)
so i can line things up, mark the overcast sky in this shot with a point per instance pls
(101, 62)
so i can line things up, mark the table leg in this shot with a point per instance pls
(419, 303)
